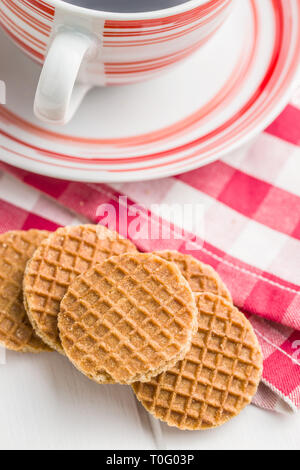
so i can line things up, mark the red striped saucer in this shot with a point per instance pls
(213, 102)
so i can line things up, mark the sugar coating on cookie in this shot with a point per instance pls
(16, 332)
(127, 319)
(200, 276)
(67, 253)
(218, 377)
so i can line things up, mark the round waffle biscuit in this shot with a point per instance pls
(218, 377)
(128, 319)
(200, 276)
(16, 332)
(67, 253)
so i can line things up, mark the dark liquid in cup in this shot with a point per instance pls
(126, 6)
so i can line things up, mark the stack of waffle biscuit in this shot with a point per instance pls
(161, 322)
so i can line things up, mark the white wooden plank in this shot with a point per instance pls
(253, 429)
(47, 404)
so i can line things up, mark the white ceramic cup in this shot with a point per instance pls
(81, 48)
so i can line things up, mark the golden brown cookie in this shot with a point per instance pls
(128, 319)
(201, 277)
(16, 332)
(218, 377)
(67, 253)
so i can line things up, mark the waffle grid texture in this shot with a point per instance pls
(67, 253)
(16, 332)
(218, 377)
(128, 319)
(201, 277)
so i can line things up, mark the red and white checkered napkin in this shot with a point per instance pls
(252, 234)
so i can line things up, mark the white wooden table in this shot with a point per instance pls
(46, 404)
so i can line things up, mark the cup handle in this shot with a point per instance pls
(58, 93)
